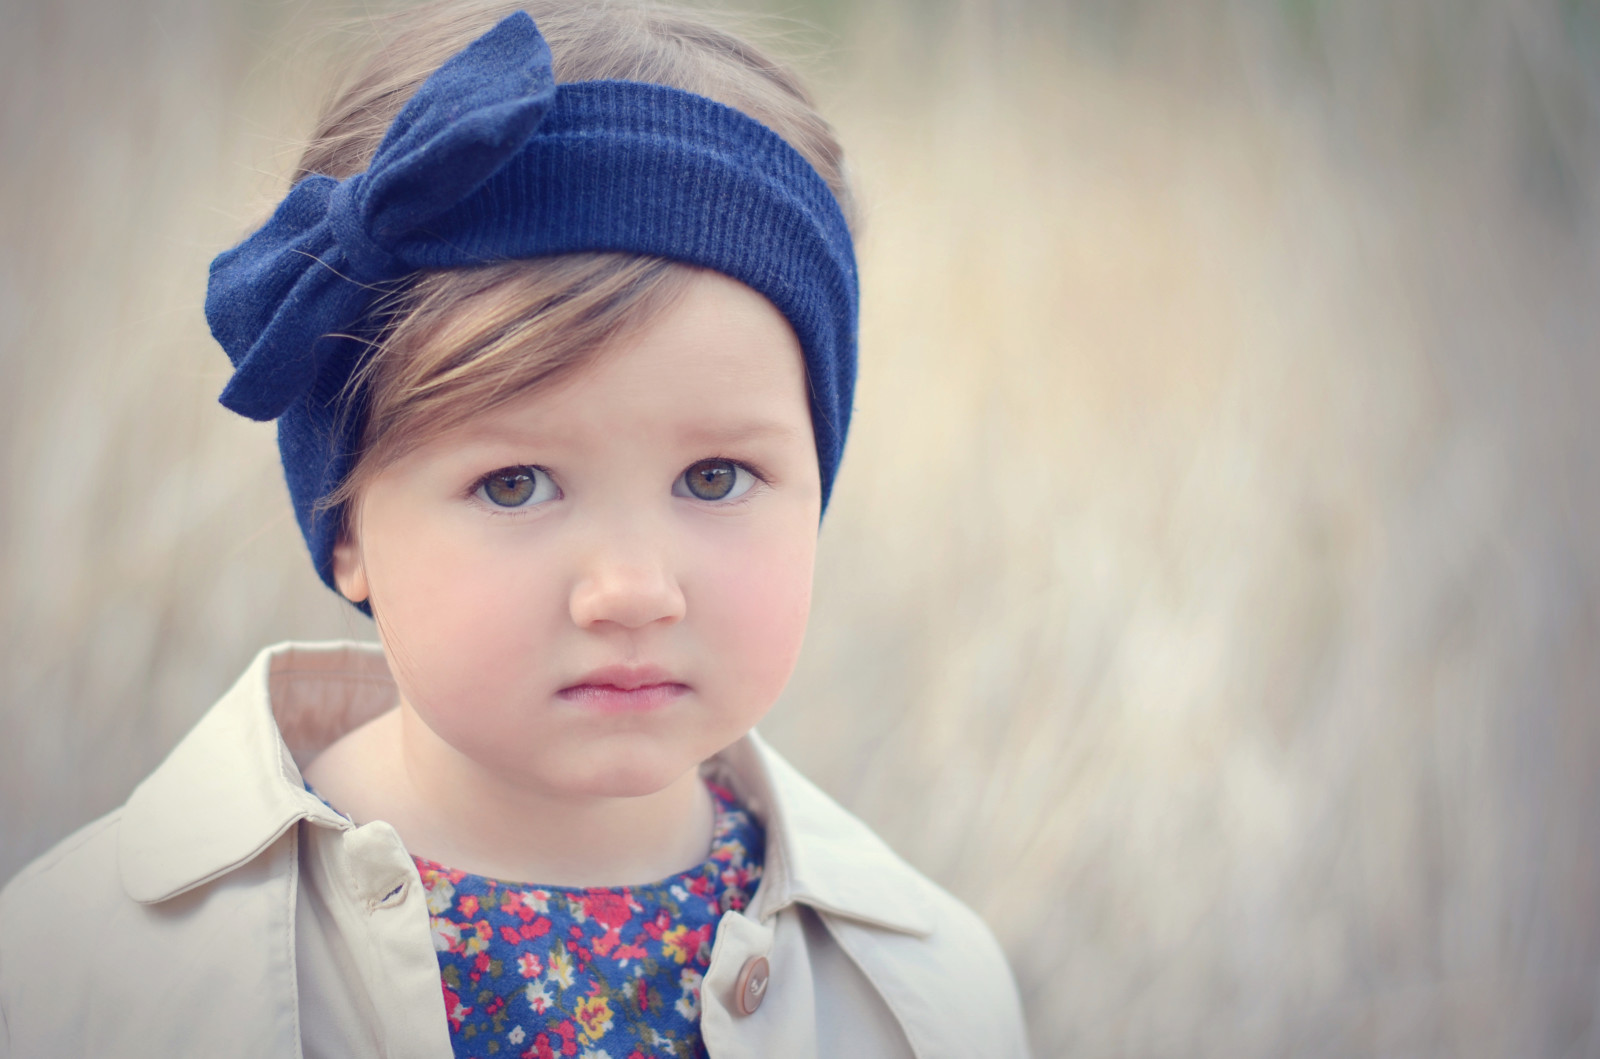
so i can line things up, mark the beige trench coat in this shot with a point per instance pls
(224, 910)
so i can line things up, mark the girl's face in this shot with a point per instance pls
(599, 585)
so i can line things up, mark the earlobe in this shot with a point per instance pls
(349, 572)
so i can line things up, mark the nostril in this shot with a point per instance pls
(632, 599)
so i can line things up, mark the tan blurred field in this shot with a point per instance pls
(1209, 597)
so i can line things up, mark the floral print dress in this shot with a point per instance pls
(537, 972)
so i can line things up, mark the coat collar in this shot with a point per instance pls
(818, 854)
(232, 786)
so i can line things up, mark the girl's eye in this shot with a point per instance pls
(714, 480)
(517, 487)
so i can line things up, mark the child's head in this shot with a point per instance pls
(562, 376)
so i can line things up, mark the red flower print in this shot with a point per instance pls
(512, 904)
(607, 942)
(528, 963)
(482, 962)
(610, 910)
(683, 944)
(659, 925)
(510, 934)
(468, 906)
(569, 1037)
(454, 1009)
(537, 928)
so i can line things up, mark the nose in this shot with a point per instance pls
(627, 587)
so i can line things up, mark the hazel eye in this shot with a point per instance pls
(714, 480)
(517, 487)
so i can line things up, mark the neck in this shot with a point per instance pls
(450, 810)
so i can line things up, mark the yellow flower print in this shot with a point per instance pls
(594, 1015)
(683, 944)
(560, 967)
(441, 895)
(672, 944)
(479, 940)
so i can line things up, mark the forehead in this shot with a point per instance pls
(719, 363)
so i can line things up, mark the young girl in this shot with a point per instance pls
(562, 375)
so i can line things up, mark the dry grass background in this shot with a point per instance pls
(1209, 596)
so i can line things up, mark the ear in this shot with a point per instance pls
(349, 569)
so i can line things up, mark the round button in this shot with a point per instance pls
(752, 987)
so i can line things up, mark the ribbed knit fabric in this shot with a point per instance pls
(492, 161)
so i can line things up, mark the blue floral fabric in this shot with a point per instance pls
(595, 973)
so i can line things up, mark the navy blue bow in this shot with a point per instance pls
(281, 302)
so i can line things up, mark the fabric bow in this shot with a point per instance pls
(279, 302)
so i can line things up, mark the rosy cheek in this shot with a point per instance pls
(755, 606)
(456, 615)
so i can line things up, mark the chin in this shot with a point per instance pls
(632, 776)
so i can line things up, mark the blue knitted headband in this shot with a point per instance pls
(492, 161)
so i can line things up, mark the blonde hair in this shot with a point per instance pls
(457, 343)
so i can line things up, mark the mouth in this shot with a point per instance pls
(624, 689)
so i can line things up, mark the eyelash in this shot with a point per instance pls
(481, 483)
(757, 473)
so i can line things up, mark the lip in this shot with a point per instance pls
(624, 689)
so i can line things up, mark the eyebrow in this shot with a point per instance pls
(754, 430)
(702, 434)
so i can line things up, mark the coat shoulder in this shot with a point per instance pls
(152, 978)
(87, 856)
(952, 988)
(960, 939)
(77, 875)
(933, 960)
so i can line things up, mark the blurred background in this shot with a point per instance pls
(1209, 597)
